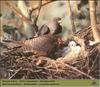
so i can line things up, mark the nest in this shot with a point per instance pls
(39, 67)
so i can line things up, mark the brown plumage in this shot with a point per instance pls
(41, 46)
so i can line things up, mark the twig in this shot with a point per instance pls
(91, 68)
(22, 16)
(79, 71)
(40, 4)
(15, 73)
(19, 14)
(71, 18)
(33, 71)
(35, 8)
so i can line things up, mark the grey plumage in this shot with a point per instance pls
(52, 27)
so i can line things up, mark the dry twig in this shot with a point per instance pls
(18, 13)
(79, 71)
(15, 73)
(22, 16)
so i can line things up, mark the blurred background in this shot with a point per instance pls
(58, 8)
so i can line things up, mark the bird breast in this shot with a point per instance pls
(54, 27)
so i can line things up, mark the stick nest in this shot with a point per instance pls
(33, 67)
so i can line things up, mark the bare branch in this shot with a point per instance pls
(35, 8)
(15, 73)
(38, 13)
(80, 71)
(22, 16)
(18, 13)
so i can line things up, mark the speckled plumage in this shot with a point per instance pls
(42, 45)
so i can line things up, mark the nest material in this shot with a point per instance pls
(46, 68)
(33, 67)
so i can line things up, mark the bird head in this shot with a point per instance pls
(72, 44)
(58, 19)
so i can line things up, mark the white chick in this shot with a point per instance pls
(74, 51)
(74, 48)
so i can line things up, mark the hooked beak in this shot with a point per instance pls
(60, 21)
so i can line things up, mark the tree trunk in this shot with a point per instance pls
(29, 30)
(96, 33)
(71, 17)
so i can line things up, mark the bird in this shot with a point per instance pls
(72, 52)
(44, 30)
(40, 46)
(52, 27)
(74, 47)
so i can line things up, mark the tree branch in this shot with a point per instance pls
(22, 16)
(18, 13)
(80, 71)
(38, 13)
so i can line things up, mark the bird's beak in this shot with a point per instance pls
(60, 21)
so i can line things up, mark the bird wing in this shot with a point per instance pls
(58, 30)
(43, 44)
(44, 30)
